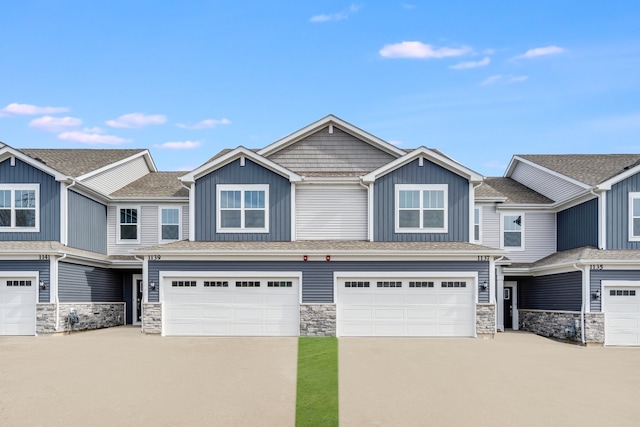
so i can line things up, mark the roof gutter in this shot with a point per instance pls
(585, 295)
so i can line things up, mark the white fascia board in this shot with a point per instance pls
(138, 199)
(430, 155)
(7, 152)
(145, 153)
(554, 207)
(569, 266)
(331, 120)
(606, 185)
(480, 199)
(88, 192)
(542, 168)
(232, 156)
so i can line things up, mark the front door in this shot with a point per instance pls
(137, 299)
(508, 307)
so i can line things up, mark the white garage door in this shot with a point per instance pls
(18, 305)
(621, 305)
(231, 306)
(416, 306)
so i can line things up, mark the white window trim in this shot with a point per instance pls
(242, 187)
(13, 228)
(479, 208)
(138, 225)
(522, 226)
(632, 196)
(421, 188)
(160, 224)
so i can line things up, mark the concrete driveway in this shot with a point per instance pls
(517, 379)
(119, 377)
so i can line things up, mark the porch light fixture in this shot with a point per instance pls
(43, 285)
(305, 258)
(328, 257)
(153, 286)
(484, 286)
(596, 294)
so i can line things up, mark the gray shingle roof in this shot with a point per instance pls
(154, 184)
(585, 254)
(47, 247)
(512, 190)
(591, 169)
(78, 161)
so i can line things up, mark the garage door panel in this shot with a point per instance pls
(621, 305)
(389, 314)
(389, 299)
(421, 299)
(180, 298)
(285, 300)
(624, 322)
(623, 308)
(358, 330)
(217, 298)
(421, 314)
(389, 330)
(422, 330)
(247, 299)
(281, 313)
(215, 329)
(217, 313)
(355, 314)
(350, 299)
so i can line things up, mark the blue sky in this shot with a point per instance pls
(478, 80)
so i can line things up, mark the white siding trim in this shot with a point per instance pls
(631, 237)
(293, 212)
(64, 213)
(192, 212)
(602, 223)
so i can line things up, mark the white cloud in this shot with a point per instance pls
(335, 16)
(495, 164)
(91, 138)
(415, 49)
(208, 123)
(498, 78)
(180, 144)
(55, 124)
(94, 129)
(541, 51)
(29, 110)
(137, 120)
(472, 64)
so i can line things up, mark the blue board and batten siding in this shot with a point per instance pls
(87, 223)
(578, 226)
(597, 276)
(317, 277)
(23, 173)
(618, 213)
(83, 283)
(250, 173)
(562, 292)
(42, 267)
(429, 173)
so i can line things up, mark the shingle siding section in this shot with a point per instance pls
(429, 173)
(250, 173)
(578, 226)
(618, 213)
(562, 292)
(42, 267)
(331, 152)
(87, 223)
(82, 283)
(23, 173)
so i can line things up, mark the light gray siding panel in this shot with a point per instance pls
(250, 173)
(23, 173)
(82, 283)
(618, 213)
(185, 222)
(87, 223)
(490, 225)
(430, 173)
(554, 292)
(337, 212)
(42, 267)
(578, 226)
(597, 276)
(554, 187)
(331, 152)
(539, 237)
(114, 179)
(317, 277)
(150, 228)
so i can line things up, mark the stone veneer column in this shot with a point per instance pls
(317, 320)
(152, 317)
(485, 320)
(45, 318)
(594, 329)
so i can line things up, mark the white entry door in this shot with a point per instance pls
(406, 306)
(18, 305)
(621, 306)
(218, 305)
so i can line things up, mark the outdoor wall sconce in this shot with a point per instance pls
(596, 294)
(484, 286)
(43, 285)
(305, 258)
(328, 257)
(153, 286)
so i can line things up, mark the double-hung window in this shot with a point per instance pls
(477, 219)
(169, 223)
(128, 221)
(19, 207)
(421, 208)
(242, 208)
(512, 231)
(634, 217)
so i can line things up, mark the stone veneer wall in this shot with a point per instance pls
(485, 320)
(91, 315)
(152, 317)
(317, 320)
(563, 325)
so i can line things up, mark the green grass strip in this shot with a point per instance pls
(317, 389)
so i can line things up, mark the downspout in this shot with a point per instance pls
(191, 206)
(584, 304)
(369, 209)
(56, 293)
(601, 223)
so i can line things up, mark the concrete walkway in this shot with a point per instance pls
(119, 377)
(517, 379)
